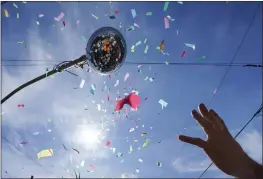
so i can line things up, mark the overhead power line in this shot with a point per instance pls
(221, 82)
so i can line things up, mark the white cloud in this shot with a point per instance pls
(251, 142)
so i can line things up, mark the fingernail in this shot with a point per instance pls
(194, 112)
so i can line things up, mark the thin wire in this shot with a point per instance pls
(158, 63)
(221, 82)
(25, 154)
(255, 115)
(235, 55)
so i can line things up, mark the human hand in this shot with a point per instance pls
(220, 146)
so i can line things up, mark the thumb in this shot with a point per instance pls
(192, 140)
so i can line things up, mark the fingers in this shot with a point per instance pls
(218, 119)
(204, 112)
(192, 140)
(202, 121)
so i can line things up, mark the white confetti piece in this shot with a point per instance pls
(151, 79)
(146, 78)
(99, 107)
(82, 163)
(137, 170)
(41, 15)
(82, 83)
(163, 103)
(190, 46)
(140, 160)
(146, 49)
(170, 18)
(180, 2)
(138, 43)
(131, 129)
(126, 76)
(116, 84)
(36, 133)
(61, 15)
(49, 130)
(95, 17)
(15, 5)
(133, 13)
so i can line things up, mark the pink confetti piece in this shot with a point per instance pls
(117, 12)
(108, 98)
(77, 22)
(132, 100)
(183, 54)
(21, 105)
(139, 66)
(41, 15)
(91, 166)
(108, 143)
(166, 23)
(136, 25)
(126, 76)
(59, 17)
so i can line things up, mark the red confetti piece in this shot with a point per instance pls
(108, 143)
(132, 100)
(117, 12)
(21, 105)
(108, 98)
(183, 53)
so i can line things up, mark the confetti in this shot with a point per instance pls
(146, 49)
(163, 103)
(82, 83)
(112, 17)
(91, 166)
(21, 105)
(138, 43)
(140, 160)
(45, 153)
(165, 7)
(99, 107)
(37, 23)
(137, 170)
(159, 164)
(41, 15)
(146, 143)
(84, 38)
(49, 130)
(215, 91)
(131, 149)
(131, 129)
(166, 23)
(162, 45)
(64, 23)
(36, 133)
(6, 13)
(61, 15)
(148, 13)
(116, 84)
(23, 142)
(117, 12)
(170, 18)
(136, 25)
(17, 15)
(145, 40)
(108, 143)
(132, 100)
(77, 22)
(15, 5)
(82, 163)
(76, 150)
(133, 13)
(143, 134)
(119, 155)
(95, 17)
(126, 76)
(183, 54)
(201, 58)
(190, 46)
(180, 2)
(64, 147)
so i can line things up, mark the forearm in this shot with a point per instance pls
(251, 170)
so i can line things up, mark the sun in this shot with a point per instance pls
(87, 136)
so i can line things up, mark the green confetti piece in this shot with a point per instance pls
(131, 149)
(132, 27)
(24, 2)
(84, 38)
(37, 23)
(145, 40)
(148, 13)
(166, 63)
(17, 15)
(159, 164)
(166, 4)
(138, 43)
(157, 48)
(201, 58)
(15, 5)
(146, 143)
(146, 49)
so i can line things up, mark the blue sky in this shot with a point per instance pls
(215, 28)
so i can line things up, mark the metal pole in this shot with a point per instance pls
(54, 71)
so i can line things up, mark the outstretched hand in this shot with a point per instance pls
(220, 146)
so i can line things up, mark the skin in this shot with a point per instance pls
(221, 147)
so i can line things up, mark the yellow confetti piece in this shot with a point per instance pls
(45, 153)
(6, 13)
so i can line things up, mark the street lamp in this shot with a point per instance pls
(105, 53)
